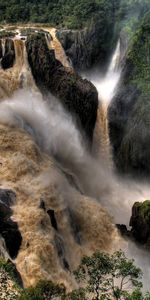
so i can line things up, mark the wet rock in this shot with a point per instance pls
(140, 221)
(66, 265)
(42, 205)
(61, 251)
(78, 96)
(9, 56)
(8, 228)
(88, 46)
(74, 226)
(123, 230)
(51, 214)
(7, 197)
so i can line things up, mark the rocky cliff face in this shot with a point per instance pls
(77, 95)
(129, 111)
(7, 53)
(8, 228)
(88, 46)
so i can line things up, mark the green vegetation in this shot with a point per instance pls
(44, 290)
(130, 12)
(144, 210)
(109, 276)
(139, 57)
(8, 267)
(101, 277)
(5, 33)
(64, 13)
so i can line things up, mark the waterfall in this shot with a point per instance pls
(3, 47)
(54, 43)
(40, 149)
(46, 250)
(18, 76)
(114, 64)
(106, 87)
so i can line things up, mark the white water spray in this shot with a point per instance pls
(106, 84)
(55, 132)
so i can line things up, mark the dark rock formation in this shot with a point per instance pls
(42, 204)
(51, 214)
(88, 46)
(77, 95)
(9, 54)
(61, 251)
(123, 230)
(1, 51)
(129, 111)
(74, 226)
(140, 221)
(9, 228)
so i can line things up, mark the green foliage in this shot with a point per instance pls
(103, 276)
(65, 13)
(76, 295)
(129, 14)
(139, 57)
(144, 210)
(5, 34)
(43, 290)
(107, 276)
(8, 267)
(147, 296)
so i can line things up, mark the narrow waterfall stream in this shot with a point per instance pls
(106, 85)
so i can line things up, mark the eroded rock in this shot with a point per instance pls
(77, 95)
(9, 228)
(9, 55)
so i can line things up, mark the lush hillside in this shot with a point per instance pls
(69, 13)
(129, 112)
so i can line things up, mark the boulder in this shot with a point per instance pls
(140, 221)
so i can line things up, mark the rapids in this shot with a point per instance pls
(44, 159)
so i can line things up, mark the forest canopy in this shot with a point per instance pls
(68, 13)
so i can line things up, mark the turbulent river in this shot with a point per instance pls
(49, 162)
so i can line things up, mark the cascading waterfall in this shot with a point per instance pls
(55, 44)
(124, 193)
(46, 251)
(46, 151)
(106, 86)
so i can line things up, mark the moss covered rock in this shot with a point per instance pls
(140, 221)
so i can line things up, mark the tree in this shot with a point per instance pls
(109, 277)
(44, 290)
(147, 296)
(76, 295)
